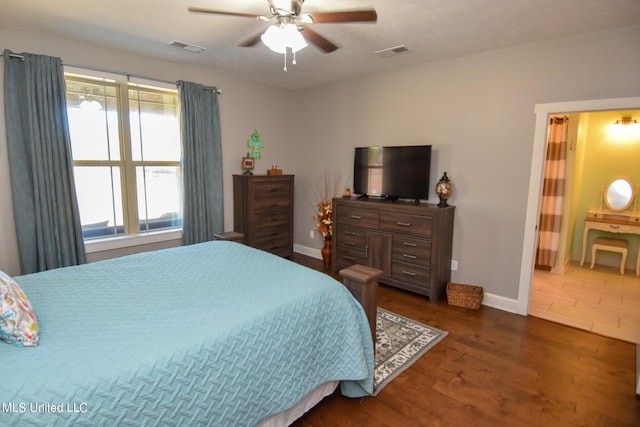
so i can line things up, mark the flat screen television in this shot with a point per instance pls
(394, 172)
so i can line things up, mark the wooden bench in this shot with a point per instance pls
(362, 282)
(610, 244)
(232, 236)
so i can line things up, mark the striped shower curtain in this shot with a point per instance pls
(552, 194)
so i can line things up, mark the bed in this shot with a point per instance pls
(213, 334)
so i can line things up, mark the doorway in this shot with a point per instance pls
(543, 113)
(600, 300)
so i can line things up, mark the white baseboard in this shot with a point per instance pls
(490, 300)
(305, 250)
(501, 303)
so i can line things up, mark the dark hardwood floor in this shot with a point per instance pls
(494, 369)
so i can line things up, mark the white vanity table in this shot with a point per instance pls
(614, 216)
(610, 222)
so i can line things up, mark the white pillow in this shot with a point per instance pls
(18, 324)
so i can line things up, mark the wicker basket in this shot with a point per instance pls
(466, 296)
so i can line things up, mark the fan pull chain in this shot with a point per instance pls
(285, 60)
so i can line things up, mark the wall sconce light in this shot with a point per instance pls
(625, 130)
(626, 121)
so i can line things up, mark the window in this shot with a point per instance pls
(125, 142)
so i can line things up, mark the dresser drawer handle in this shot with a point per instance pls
(350, 233)
(413, 245)
(273, 219)
(614, 227)
(349, 258)
(274, 234)
(409, 256)
(356, 217)
(272, 189)
(404, 224)
(349, 243)
(409, 273)
(274, 205)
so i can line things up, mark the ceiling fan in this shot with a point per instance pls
(287, 17)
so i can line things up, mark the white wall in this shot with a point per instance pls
(478, 113)
(244, 106)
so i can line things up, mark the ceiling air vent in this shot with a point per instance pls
(392, 51)
(187, 46)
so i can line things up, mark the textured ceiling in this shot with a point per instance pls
(430, 29)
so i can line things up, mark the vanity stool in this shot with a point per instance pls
(610, 244)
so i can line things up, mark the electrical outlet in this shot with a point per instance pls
(454, 265)
(312, 234)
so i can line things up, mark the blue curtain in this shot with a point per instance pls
(203, 213)
(40, 163)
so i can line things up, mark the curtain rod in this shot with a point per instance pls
(213, 88)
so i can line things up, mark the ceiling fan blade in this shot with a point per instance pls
(251, 41)
(316, 39)
(362, 15)
(222, 12)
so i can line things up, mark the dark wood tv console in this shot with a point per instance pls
(411, 243)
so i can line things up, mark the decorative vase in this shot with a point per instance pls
(443, 190)
(326, 251)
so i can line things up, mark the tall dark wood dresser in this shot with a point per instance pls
(263, 211)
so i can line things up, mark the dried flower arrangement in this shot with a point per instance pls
(324, 218)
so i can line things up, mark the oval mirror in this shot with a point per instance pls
(619, 194)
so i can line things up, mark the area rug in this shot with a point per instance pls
(400, 342)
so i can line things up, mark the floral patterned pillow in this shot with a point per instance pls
(18, 324)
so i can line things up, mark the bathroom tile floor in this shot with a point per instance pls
(601, 300)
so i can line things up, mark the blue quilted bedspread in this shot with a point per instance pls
(214, 334)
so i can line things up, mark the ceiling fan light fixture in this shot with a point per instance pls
(286, 15)
(274, 39)
(282, 36)
(294, 39)
(289, 22)
(279, 37)
(286, 7)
